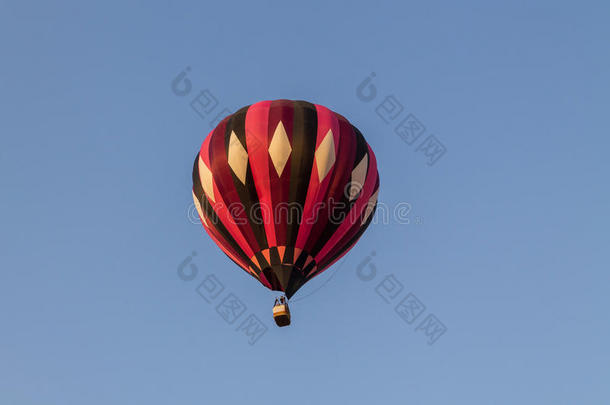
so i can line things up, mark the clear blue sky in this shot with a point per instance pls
(507, 243)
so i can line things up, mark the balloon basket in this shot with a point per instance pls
(281, 312)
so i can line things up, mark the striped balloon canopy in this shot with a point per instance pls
(285, 188)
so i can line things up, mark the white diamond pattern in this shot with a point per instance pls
(279, 148)
(206, 180)
(358, 177)
(370, 205)
(325, 155)
(238, 158)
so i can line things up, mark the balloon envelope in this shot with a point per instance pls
(285, 188)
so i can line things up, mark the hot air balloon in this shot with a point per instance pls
(285, 188)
